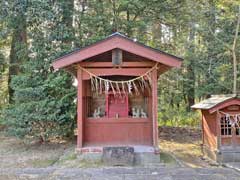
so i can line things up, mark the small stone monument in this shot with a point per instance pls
(135, 113)
(118, 156)
(97, 113)
(143, 114)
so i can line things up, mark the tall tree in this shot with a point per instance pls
(235, 71)
(4, 50)
(225, 36)
(189, 84)
(18, 52)
(203, 32)
(43, 100)
(67, 8)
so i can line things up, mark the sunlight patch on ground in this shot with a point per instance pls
(184, 144)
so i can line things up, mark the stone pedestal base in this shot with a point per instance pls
(118, 156)
(228, 156)
(224, 155)
(121, 156)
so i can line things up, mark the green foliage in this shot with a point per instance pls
(43, 100)
(200, 31)
(178, 117)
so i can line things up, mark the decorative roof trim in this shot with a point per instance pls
(116, 40)
(214, 101)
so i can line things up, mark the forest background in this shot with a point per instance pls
(36, 101)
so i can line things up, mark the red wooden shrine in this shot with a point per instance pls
(221, 127)
(117, 105)
(105, 118)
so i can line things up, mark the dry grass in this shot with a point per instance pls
(184, 144)
(14, 153)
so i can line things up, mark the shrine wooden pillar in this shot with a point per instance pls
(79, 109)
(155, 109)
(218, 126)
(234, 137)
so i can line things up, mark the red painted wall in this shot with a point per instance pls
(115, 131)
(233, 139)
(209, 129)
(117, 105)
(118, 131)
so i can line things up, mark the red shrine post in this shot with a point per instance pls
(221, 127)
(117, 101)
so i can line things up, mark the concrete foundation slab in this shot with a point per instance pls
(118, 156)
(222, 156)
(147, 159)
(139, 156)
(228, 156)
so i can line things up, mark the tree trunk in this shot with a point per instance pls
(211, 23)
(234, 55)
(18, 52)
(67, 20)
(115, 17)
(190, 74)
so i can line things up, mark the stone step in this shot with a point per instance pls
(123, 156)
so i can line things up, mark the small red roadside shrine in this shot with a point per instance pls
(221, 127)
(117, 92)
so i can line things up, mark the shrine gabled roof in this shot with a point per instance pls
(214, 101)
(117, 41)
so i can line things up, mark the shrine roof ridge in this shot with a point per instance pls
(156, 49)
(214, 100)
(111, 36)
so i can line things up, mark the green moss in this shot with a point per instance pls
(167, 159)
(71, 160)
(40, 163)
(87, 164)
(69, 157)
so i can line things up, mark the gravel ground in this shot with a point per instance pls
(57, 161)
(121, 173)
